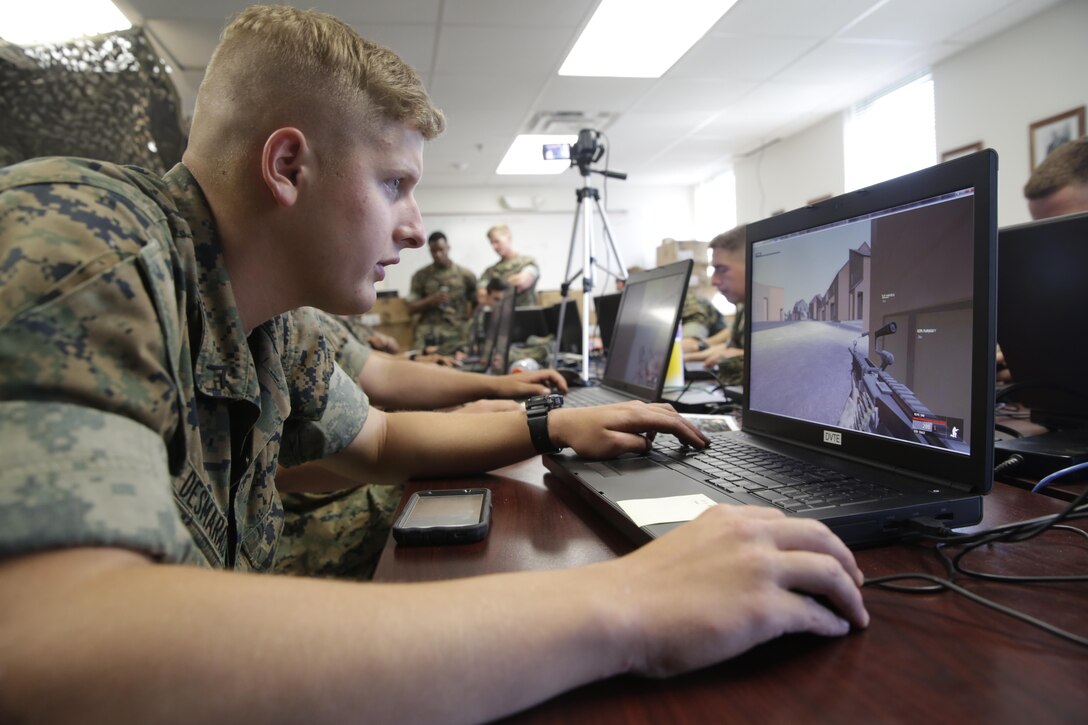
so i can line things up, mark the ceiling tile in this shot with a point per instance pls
(791, 18)
(503, 13)
(922, 21)
(528, 55)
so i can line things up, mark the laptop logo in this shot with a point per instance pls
(833, 437)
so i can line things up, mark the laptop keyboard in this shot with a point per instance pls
(788, 483)
(589, 397)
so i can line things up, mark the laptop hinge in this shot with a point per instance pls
(896, 470)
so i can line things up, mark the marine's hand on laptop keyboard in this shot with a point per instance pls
(606, 431)
(528, 383)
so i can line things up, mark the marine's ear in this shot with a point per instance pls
(284, 161)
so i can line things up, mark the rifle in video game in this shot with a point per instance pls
(881, 404)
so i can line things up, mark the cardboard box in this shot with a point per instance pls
(391, 310)
(671, 250)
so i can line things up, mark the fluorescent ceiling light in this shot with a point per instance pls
(526, 155)
(35, 22)
(640, 38)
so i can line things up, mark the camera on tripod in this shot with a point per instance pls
(585, 151)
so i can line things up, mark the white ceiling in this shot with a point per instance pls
(768, 69)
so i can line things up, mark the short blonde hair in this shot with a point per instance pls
(731, 242)
(276, 64)
(502, 230)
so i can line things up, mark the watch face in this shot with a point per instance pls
(544, 402)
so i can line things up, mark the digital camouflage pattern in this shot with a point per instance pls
(445, 326)
(699, 318)
(134, 411)
(339, 534)
(347, 339)
(506, 267)
(731, 370)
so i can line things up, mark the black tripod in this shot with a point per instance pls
(584, 213)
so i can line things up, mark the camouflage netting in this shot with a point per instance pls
(108, 97)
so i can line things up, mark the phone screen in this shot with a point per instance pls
(459, 510)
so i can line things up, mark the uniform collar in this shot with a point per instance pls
(224, 366)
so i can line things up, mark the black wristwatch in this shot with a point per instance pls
(537, 408)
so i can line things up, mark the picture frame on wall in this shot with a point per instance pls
(1050, 133)
(961, 151)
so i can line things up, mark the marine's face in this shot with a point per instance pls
(365, 215)
(440, 252)
(728, 275)
(502, 244)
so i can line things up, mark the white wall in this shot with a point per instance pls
(990, 92)
(640, 218)
(792, 172)
(993, 91)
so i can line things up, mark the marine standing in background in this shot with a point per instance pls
(443, 294)
(518, 270)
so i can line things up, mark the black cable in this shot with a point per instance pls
(956, 563)
(1008, 430)
(943, 584)
(934, 531)
(1011, 462)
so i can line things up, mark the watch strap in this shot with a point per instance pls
(537, 409)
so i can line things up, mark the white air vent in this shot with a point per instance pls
(520, 203)
(560, 122)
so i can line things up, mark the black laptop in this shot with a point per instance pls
(1042, 298)
(571, 339)
(529, 321)
(607, 307)
(642, 341)
(869, 370)
(495, 349)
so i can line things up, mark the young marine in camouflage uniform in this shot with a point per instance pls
(154, 375)
(443, 294)
(726, 359)
(515, 269)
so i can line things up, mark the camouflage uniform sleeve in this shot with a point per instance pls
(328, 407)
(351, 353)
(88, 394)
(486, 276)
(694, 320)
(74, 476)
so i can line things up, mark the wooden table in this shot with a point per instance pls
(928, 657)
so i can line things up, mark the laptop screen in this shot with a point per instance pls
(870, 316)
(1041, 294)
(504, 325)
(645, 328)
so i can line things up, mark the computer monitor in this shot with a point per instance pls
(1042, 297)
